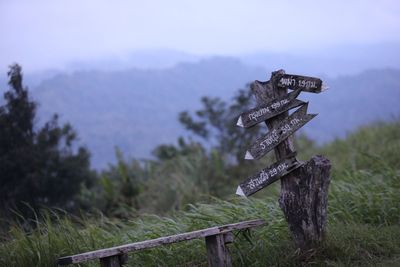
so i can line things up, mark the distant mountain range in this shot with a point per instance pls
(327, 61)
(136, 108)
(353, 101)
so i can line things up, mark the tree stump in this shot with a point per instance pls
(304, 192)
(304, 201)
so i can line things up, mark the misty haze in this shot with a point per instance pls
(130, 108)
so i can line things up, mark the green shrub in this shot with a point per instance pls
(363, 220)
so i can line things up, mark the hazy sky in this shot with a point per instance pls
(49, 33)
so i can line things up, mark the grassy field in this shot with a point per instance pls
(363, 221)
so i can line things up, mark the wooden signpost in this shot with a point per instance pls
(304, 83)
(265, 112)
(304, 186)
(283, 130)
(267, 176)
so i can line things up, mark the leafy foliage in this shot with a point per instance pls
(364, 215)
(116, 190)
(216, 123)
(363, 226)
(37, 166)
(370, 147)
(352, 233)
(142, 104)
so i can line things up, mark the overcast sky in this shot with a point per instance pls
(49, 33)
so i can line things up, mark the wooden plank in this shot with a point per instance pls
(217, 253)
(305, 83)
(269, 110)
(267, 176)
(279, 133)
(102, 253)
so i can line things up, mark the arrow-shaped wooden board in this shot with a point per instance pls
(305, 83)
(269, 110)
(283, 130)
(267, 176)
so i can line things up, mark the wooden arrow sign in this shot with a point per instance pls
(267, 176)
(305, 83)
(285, 128)
(269, 110)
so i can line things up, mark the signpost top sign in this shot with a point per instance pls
(280, 129)
(304, 83)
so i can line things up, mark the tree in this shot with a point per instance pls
(37, 167)
(216, 123)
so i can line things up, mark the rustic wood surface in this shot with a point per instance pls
(267, 176)
(305, 83)
(119, 250)
(279, 132)
(113, 261)
(303, 196)
(306, 208)
(217, 252)
(263, 93)
(269, 110)
(228, 238)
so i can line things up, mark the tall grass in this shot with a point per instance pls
(366, 197)
(56, 235)
(363, 229)
(380, 141)
(363, 220)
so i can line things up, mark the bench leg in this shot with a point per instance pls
(217, 252)
(114, 261)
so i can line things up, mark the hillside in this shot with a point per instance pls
(136, 110)
(353, 101)
(363, 219)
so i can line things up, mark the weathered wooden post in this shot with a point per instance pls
(304, 186)
(114, 261)
(217, 252)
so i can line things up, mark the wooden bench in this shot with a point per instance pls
(215, 237)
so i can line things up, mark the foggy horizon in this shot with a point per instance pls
(44, 35)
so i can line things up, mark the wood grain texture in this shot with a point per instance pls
(267, 176)
(269, 110)
(295, 82)
(217, 252)
(279, 132)
(119, 250)
(304, 192)
(228, 238)
(305, 207)
(113, 261)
